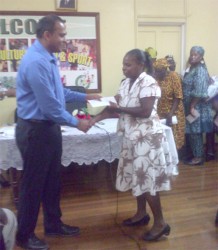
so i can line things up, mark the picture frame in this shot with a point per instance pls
(66, 5)
(79, 62)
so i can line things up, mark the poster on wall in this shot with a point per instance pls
(79, 60)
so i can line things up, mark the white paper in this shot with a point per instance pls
(190, 118)
(104, 101)
(174, 120)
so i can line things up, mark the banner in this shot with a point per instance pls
(79, 60)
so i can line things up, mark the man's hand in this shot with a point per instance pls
(93, 97)
(84, 125)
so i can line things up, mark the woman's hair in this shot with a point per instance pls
(47, 23)
(144, 58)
(200, 50)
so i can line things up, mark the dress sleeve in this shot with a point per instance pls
(152, 89)
(177, 85)
(200, 83)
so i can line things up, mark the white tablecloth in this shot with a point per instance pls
(101, 142)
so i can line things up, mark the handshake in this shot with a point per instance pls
(108, 103)
(84, 119)
(85, 124)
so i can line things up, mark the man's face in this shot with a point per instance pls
(57, 38)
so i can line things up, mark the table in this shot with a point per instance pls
(101, 142)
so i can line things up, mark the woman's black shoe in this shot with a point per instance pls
(144, 221)
(195, 162)
(149, 237)
(210, 157)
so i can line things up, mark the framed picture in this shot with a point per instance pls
(79, 61)
(66, 5)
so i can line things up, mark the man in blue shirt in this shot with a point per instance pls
(41, 110)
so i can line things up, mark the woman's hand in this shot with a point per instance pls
(169, 120)
(113, 106)
(194, 112)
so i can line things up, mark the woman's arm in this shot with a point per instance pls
(172, 111)
(143, 111)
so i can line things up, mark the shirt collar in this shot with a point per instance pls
(52, 58)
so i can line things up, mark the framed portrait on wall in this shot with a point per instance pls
(66, 5)
(79, 61)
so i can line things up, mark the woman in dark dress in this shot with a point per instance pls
(195, 84)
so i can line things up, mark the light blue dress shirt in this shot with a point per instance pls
(40, 93)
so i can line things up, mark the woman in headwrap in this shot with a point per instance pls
(195, 84)
(170, 104)
(171, 62)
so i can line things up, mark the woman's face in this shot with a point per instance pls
(195, 57)
(131, 68)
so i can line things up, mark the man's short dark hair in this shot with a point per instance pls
(47, 23)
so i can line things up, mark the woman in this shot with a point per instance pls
(142, 165)
(170, 104)
(199, 112)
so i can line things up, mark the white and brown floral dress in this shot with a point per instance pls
(145, 161)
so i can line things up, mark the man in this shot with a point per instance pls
(67, 4)
(41, 108)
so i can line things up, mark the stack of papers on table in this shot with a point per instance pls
(104, 101)
(95, 106)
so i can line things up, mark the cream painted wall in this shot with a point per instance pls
(118, 26)
(202, 29)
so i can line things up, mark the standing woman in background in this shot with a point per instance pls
(144, 164)
(170, 103)
(195, 85)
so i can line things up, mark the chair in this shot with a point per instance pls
(71, 106)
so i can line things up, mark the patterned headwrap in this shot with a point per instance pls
(161, 64)
(169, 57)
(152, 52)
(199, 50)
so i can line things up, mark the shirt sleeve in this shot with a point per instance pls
(71, 96)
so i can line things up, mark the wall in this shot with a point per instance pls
(118, 26)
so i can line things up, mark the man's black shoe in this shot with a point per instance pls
(63, 230)
(33, 243)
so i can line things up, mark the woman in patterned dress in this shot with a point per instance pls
(195, 84)
(171, 103)
(144, 164)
